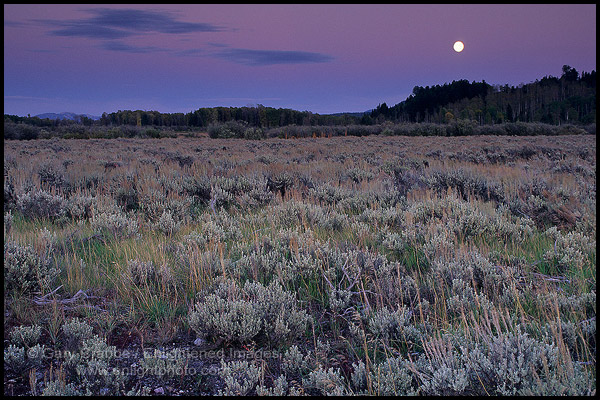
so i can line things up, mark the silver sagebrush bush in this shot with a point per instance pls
(76, 331)
(168, 224)
(294, 363)
(141, 273)
(267, 260)
(239, 314)
(279, 388)
(80, 206)
(18, 359)
(14, 358)
(393, 325)
(60, 388)
(41, 204)
(464, 299)
(571, 249)
(25, 270)
(392, 377)
(328, 382)
(240, 377)
(94, 370)
(27, 336)
(113, 220)
(504, 363)
(231, 320)
(36, 355)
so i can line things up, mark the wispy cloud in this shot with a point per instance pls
(255, 57)
(14, 24)
(191, 53)
(112, 25)
(148, 21)
(76, 29)
(120, 46)
(272, 57)
(117, 24)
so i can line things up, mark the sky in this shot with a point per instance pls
(96, 58)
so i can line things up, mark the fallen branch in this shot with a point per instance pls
(80, 294)
(51, 293)
(551, 278)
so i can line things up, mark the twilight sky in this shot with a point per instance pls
(322, 58)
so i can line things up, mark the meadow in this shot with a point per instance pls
(314, 266)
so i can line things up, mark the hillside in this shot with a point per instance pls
(568, 99)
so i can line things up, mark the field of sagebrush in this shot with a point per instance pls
(344, 265)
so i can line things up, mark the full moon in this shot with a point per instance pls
(458, 46)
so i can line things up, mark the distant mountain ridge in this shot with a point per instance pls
(67, 115)
(352, 114)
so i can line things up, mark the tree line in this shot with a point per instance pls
(258, 116)
(568, 99)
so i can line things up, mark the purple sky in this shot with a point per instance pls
(322, 58)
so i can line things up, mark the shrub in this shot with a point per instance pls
(10, 197)
(503, 363)
(14, 358)
(183, 161)
(240, 314)
(232, 320)
(25, 270)
(230, 129)
(26, 336)
(405, 180)
(93, 367)
(259, 196)
(60, 388)
(461, 127)
(358, 175)
(50, 178)
(80, 206)
(76, 331)
(393, 326)
(167, 224)
(279, 183)
(465, 183)
(114, 221)
(328, 382)
(571, 250)
(568, 129)
(388, 378)
(36, 355)
(21, 131)
(141, 273)
(41, 204)
(240, 377)
(127, 197)
(280, 386)
(294, 363)
(254, 133)
(197, 187)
